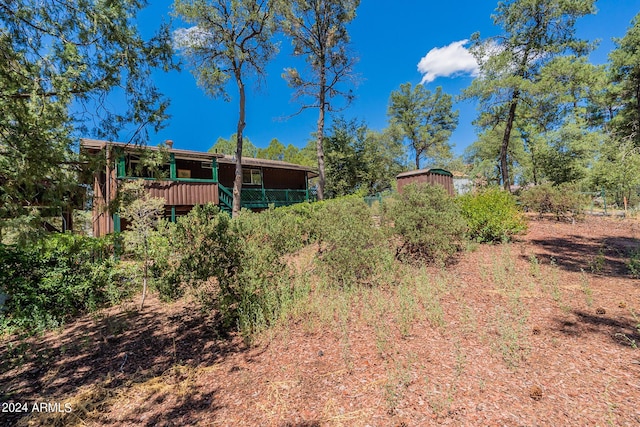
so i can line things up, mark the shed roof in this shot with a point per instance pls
(435, 171)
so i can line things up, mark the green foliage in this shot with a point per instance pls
(57, 278)
(236, 266)
(143, 213)
(318, 32)
(486, 149)
(633, 264)
(352, 250)
(616, 171)
(426, 120)
(203, 246)
(274, 151)
(533, 33)
(359, 159)
(60, 63)
(625, 76)
(228, 146)
(562, 200)
(428, 221)
(492, 215)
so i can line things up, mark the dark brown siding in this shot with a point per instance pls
(183, 193)
(102, 220)
(280, 179)
(273, 178)
(431, 178)
(226, 174)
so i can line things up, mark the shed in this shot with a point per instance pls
(431, 176)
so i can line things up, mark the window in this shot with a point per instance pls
(135, 166)
(251, 176)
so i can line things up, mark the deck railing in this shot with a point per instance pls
(263, 197)
(258, 197)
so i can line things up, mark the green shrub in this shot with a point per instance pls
(427, 220)
(285, 229)
(492, 215)
(261, 284)
(55, 279)
(352, 250)
(203, 246)
(562, 201)
(234, 265)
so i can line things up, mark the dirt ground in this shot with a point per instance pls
(539, 332)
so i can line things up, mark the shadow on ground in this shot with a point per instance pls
(623, 330)
(609, 256)
(114, 352)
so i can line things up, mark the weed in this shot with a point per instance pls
(428, 292)
(586, 289)
(398, 379)
(596, 263)
(461, 359)
(554, 282)
(628, 340)
(504, 271)
(407, 312)
(440, 401)
(510, 325)
(534, 266)
(382, 339)
(610, 405)
(343, 320)
(633, 265)
(468, 318)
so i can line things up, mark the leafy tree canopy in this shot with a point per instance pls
(229, 146)
(318, 31)
(425, 118)
(59, 61)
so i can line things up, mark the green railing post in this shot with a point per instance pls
(173, 213)
(172, 166)
(214, 170)
(120, 167)
(116, 223)
(604, 199)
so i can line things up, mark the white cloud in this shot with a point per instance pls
(452, 59)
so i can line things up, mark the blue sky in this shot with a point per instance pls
(390, 38)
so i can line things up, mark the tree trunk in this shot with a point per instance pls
(145, 271)
(534, 165)
(320, 134)
(144, 285)
(504, 148)
(417, 160)
(237, 183)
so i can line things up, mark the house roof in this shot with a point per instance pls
(265, 163)
(424, 172)
(97, 145)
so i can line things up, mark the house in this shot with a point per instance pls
(432, 176)
(187, 178)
